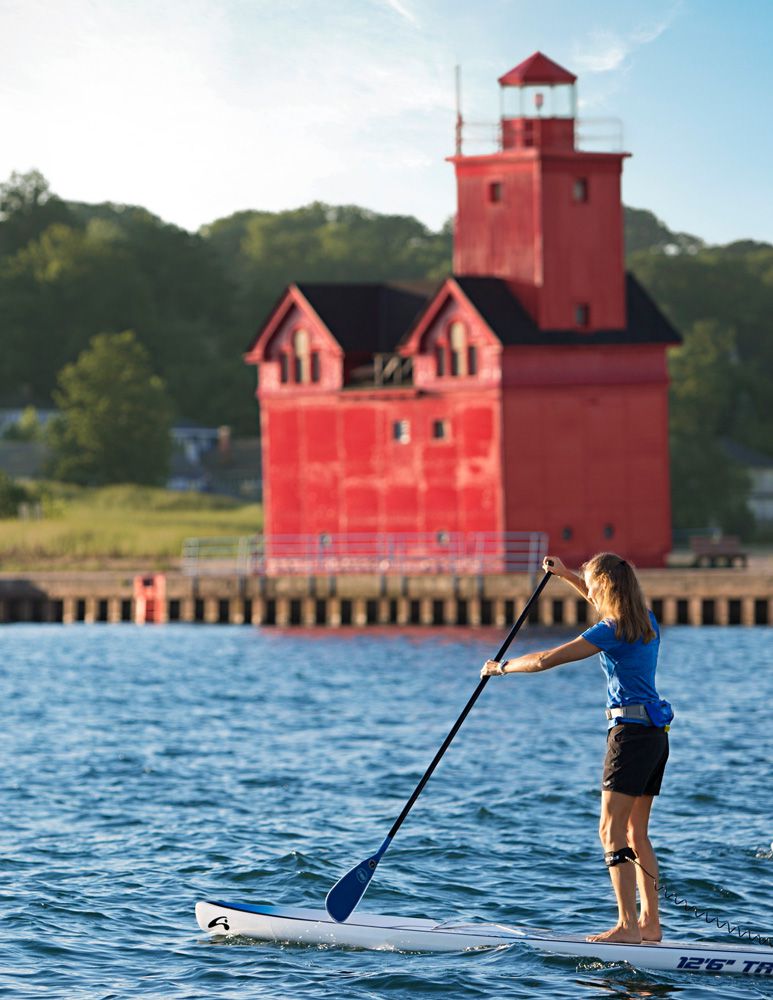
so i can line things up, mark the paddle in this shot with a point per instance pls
(349, 890)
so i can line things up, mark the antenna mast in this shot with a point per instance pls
(458, 77)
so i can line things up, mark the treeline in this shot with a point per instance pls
(720, 298)
(71, 271)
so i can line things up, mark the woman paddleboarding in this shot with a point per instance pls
(627, 637)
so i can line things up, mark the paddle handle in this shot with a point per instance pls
(465, 712)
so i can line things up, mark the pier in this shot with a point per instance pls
(677, 596)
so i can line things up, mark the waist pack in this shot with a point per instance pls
(660, 712)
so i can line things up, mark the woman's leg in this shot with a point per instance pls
(638, 839)
(613, 831)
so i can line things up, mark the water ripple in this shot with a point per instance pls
(146, 768)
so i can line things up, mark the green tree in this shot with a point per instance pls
(57, 292)
(264, 251)
(26, 428)
(644, 231)
(11, 495)
(115, 416)
(27, 208)
(709, 490)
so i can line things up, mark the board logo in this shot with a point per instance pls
(219, 922)
(362, 876)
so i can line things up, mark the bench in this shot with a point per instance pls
(722, 551)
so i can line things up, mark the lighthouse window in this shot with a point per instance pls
(580, 189)
(401, 431)
(440, 360)
(495, 191)
(284, 368)
(582, 314)
(439, 430)
(472, 360)
(315, 368)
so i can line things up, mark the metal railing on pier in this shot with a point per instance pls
(406, 554)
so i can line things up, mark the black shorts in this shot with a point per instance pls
(636, 759)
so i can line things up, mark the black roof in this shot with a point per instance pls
(502, 311)
(375, 318)
(368, 318)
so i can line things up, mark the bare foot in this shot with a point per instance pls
(650, 930)
(626, 935)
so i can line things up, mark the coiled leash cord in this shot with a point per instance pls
(710, 918)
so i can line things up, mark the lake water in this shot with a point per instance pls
(144, 769)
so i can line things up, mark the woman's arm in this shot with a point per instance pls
(555, 566)
(532, 663)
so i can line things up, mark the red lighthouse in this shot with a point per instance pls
(527, 392)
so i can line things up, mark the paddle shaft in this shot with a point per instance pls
(467, 708)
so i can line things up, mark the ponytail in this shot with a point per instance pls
(620, 596)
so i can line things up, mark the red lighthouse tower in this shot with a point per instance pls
(541, 214)
(528, 392)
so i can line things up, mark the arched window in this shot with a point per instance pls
(455, 355)
(297, 362)
(302, 367)
(458, 338)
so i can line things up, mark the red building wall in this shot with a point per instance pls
(586, 438)
(582, 242)
(333, 464)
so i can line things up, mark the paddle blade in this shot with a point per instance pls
(349, 890)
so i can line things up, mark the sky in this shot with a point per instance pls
(197, 109)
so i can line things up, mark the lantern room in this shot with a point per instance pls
(538, 100)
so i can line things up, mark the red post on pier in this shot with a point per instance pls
(150, 599)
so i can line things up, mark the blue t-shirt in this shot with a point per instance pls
(629, 666)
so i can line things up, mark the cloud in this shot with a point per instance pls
(603, 52)
(197, 107)
(402, 10)
(607, 51)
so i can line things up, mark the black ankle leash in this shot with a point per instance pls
(710, 918)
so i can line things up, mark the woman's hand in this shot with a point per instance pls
(492, 668)
(552, 564)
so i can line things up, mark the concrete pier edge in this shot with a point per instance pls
(677, 596)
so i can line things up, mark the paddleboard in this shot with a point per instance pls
(299, 925)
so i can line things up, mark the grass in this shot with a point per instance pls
(90, 528)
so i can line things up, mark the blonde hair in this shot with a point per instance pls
(619, 596)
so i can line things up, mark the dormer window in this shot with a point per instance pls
(297, 362)
(454, 355)
(495, 192)
(302, 359)
(458, 338)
